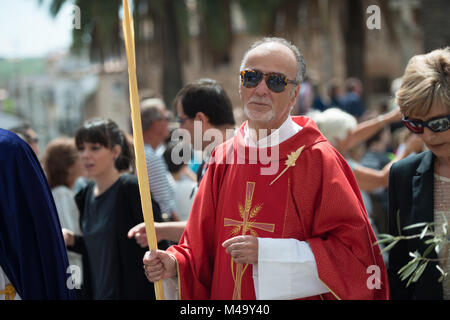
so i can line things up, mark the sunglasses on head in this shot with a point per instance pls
(436, 125)
(276, 82)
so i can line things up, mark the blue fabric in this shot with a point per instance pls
(353, 104)
(318, 104)
(32, 250)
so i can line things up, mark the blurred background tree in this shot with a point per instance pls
(100, 29)
(166, 30)
(435, 22)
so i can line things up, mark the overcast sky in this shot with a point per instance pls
(28, 30)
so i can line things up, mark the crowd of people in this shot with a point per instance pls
(226, 228)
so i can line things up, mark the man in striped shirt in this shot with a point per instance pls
(155, 131)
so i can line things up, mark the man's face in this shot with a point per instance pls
(160, 128)
(264, 108)
(185, 122)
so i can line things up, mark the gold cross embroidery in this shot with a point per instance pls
(9, 292)
(248, 224)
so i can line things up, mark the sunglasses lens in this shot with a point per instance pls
(439, 125)
(250, 79)
(413, 126)
(276, 83)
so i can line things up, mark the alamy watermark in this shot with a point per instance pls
(374, 20)
(374, 280)
(75, 278)
(76, 17)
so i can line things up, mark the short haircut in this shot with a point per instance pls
(334, 123)
(59, 156)
(108, 134)
(426, 82)
(151, 111)
(301, 64)
(207, 96)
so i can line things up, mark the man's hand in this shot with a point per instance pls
(171, 230)
(243, 249)
(159, 264)
(139, 233)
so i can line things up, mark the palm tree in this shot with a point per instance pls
(260, 15)
(216, 35)
(101, 34)
(168, 33)
(354, 36)
(100, 28)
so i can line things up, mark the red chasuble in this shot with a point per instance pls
(310, 196)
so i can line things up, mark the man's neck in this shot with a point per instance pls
(152, 141)
(259, 130)
(227, 132)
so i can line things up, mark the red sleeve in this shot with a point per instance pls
(340, 234)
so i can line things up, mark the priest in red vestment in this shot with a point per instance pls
(277, 215)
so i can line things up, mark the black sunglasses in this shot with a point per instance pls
(276, 82)
(436, 125)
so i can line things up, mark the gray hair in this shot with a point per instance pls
(334, 123)
(301, 65)
(151, 110)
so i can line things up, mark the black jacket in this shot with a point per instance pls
(411, 195)
(133, 283)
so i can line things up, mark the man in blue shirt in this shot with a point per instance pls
(352, 102)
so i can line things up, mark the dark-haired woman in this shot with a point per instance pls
(109, 206)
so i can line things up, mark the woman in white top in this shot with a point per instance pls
(62, 166)
(185, 182)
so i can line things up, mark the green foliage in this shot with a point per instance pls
(28, 66)
(182, 15)
(55, 6)
(260, 14)
(215, 22)
(413, 270)
(100, 27)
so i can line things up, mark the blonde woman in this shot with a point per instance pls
(419, 186)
